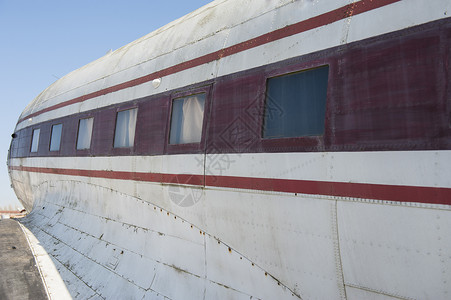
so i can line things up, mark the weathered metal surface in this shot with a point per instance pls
(146, 250)
(360, 212)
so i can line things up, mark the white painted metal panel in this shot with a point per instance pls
(237, 273)
(359, 294)
(113, 241)
(394, 250)
(412, 168)
(292, 238)
(402, 14)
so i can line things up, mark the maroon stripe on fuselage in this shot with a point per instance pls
(121, 175)
(395, 193)
(309, 24)
(398, 193)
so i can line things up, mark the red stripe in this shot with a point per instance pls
(137, 176)
(398, 193)
(430, 195)
(309, 24)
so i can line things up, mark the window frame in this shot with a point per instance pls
(78, 134)
(300, 143)
(117, 111)
(198, 147)
(60, 138)
(32, 139)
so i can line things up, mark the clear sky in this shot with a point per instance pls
(41, 41)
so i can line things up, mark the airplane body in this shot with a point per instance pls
(251, 150)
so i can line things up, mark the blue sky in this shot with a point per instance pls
(41, 41)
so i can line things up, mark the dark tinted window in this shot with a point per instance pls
(296, 104)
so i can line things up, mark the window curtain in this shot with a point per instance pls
(85, 133)
(125, 128)
(187, 119)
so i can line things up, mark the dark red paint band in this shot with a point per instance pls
(309, 24)
(398, 193)
(136, 176)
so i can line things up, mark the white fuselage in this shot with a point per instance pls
(221, 221)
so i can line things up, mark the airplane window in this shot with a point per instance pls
(55, 140)
(35, 140)
(124, 136)
(84, 133)
(296, 104)
(187, 119)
